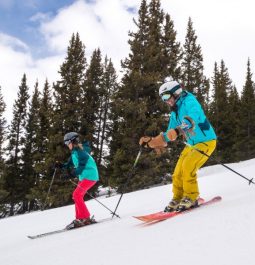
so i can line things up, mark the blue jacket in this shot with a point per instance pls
(187, 105)
(83, 163)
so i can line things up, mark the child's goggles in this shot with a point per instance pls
(67, 142)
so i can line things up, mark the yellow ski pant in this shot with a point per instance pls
(185, 173)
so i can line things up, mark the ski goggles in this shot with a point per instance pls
(67, 142)
(166, 97)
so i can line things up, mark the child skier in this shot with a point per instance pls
(189, 121)
(83, 166)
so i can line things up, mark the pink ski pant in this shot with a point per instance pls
(81, 210)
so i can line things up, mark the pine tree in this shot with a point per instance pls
(172, 52)
(110, 86)
(233, 117)
(153, 52)
(247, 118)
(2, 131)
(92, 98)
(192, 66)
(100, 82)
(13, 176)
(3, 192)
(223, 91)
(44, 133)
(30, 149)
(67, 91)
(137, 105)
(41, 155)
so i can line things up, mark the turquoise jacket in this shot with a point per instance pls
(187, 105)
(83, 164)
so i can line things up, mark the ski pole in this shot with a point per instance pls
(77, 185)
(216, 160)
(128, 178)
(49, 189)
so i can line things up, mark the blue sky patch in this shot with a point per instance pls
(16, 18)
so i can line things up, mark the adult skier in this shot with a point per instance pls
(82, 165)
(187, 120)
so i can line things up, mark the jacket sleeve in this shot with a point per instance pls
(171, 125)
(172, 122)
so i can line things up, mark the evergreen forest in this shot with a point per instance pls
(112, 110)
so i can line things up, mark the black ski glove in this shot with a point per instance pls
(69, 174)
(58, 165)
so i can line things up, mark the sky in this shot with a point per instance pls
(222, 233)
(35, 34)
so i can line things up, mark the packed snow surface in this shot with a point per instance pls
(222, 233)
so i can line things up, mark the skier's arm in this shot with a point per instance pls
(187, 126)
(161, 140)
(69, 164)
(170, 134)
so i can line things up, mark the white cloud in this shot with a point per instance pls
(11, 66)
(40, 17)
(12, 42)
(103, 24)
(15, 62)
(225, 30)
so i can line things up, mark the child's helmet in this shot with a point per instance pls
(71, 137)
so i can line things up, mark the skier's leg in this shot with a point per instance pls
(81, 209)
(177, 178)
(177, 186)
(191, 163)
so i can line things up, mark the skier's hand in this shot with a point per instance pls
(144, 141)
(158, 142)
(69, 174)
(58, 165)
(153, 142)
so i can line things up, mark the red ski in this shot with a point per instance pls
(160, 216)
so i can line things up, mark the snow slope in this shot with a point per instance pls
(222, 234)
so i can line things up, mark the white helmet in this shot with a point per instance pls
(171, 87)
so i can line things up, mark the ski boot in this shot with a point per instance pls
(172, 206)
(81, 222)
(185, 204)
(92, 220)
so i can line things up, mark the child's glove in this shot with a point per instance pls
(58, 165)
